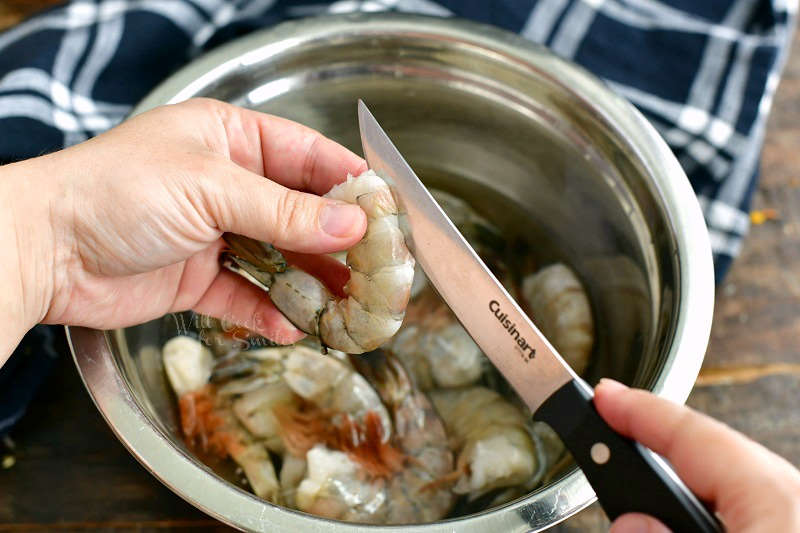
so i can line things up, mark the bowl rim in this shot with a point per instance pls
(544, 508)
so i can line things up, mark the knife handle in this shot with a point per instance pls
(626, 476)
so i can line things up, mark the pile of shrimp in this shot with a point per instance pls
(419, 430)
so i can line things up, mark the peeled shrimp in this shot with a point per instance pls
(187, 363)
(209, 423)
(338, 487)
(381, 274)
(335, 487)
(560, 307)
(493, 447)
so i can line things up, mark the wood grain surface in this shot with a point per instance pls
(69, 472)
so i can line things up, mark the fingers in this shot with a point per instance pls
(244, 304)
(242, 202)
(285, 151)
(744, 480)
(683, 436)
(637, 523)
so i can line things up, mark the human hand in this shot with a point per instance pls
(750, 488)
(126, 227)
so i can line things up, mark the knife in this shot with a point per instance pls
(626, 476)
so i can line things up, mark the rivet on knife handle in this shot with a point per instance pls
(626, 476)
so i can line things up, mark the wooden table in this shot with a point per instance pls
(71, 473)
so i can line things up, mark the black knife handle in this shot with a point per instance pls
(626, 476)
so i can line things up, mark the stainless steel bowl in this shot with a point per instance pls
(539, 145)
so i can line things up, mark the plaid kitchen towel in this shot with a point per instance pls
(703, 72)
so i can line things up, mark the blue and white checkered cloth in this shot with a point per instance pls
(704, 73)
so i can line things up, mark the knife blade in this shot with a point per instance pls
(626, 476)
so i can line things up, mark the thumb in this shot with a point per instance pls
(242, 202)
(637, 523)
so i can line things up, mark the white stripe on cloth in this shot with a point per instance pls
(220, 17)
(107, 38)
(669, 19)
(722, 243)
(37, 80)
(37, 108)
(543, 17)
(82, 14)
(422, 7)
(732, 190)
(574, 27)
(254, 8)
(222, 14)
(789, 6)
(71, 48)
(715, 58)
(210, 6)
(31, 106)
(693, 121)
(733, 96)
(724, 217)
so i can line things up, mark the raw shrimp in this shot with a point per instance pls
(489, 435)
(559, 306)
(381, 274)
(420, 435)
(550, 461)
(296, 400)
(337, 487)
(432, 344)
(290, 395)
(209, 423)
(187, 362)
(434, 347)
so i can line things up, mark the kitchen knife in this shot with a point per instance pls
(626, 476)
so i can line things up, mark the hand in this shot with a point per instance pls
(126, 227)
(751, 488)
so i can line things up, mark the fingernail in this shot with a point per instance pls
(340, 220)
(610, 384)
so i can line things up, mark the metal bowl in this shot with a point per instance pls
(536, 143)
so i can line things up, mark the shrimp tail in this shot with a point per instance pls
(260, 278)
(260, 255)
(256, 261)
(386, 374)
